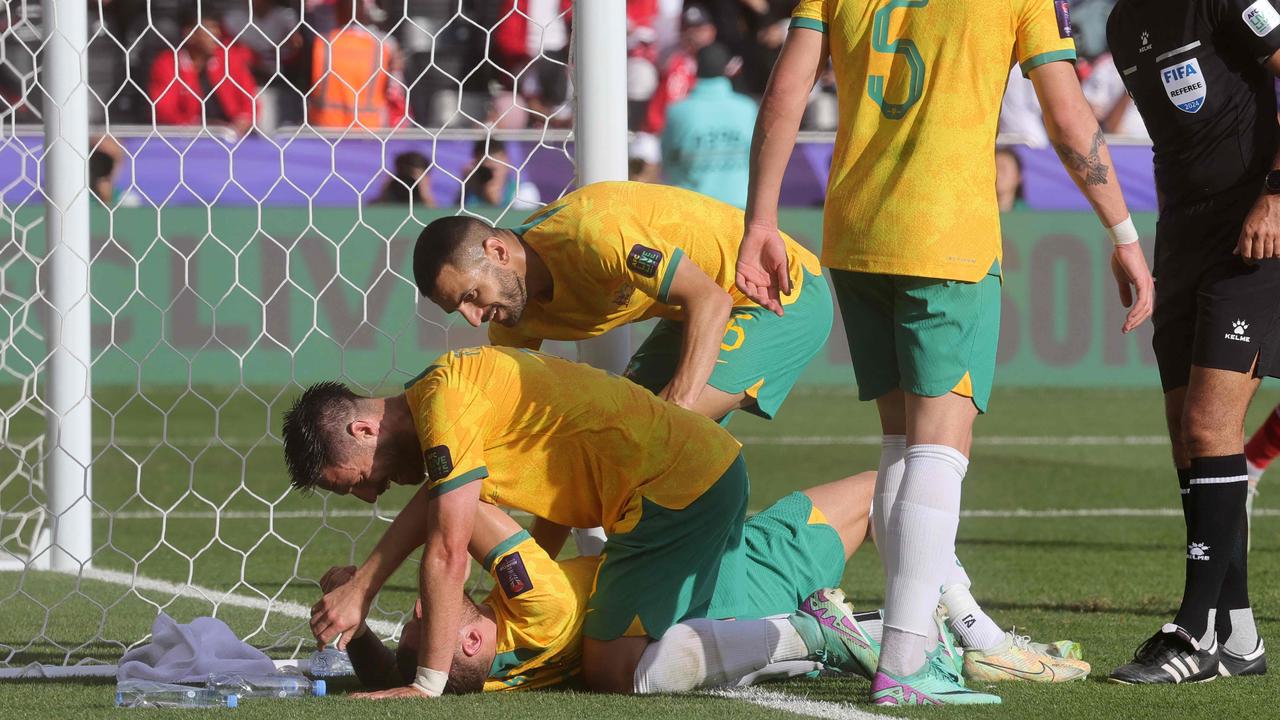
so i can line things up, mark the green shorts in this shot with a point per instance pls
(789, 551)
(926, 336)
(666, 568)
(761, 354)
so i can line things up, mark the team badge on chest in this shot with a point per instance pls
(1185, 85)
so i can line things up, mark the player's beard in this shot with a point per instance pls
(514, 296)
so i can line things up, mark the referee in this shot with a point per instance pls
(1201, 74)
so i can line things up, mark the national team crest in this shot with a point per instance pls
(1185, 85)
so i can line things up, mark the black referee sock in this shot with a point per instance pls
(1215, 511)
(1235, 596)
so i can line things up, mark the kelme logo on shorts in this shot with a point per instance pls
(1185, 86)
(512, 576)
(644, 260)
(439, 462)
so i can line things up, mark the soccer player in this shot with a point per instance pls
(559, 440)
(1261, 449)
(614, 253)
(1202, 76)
(912, 238)
(527, 633)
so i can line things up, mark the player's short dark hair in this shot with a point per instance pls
(464, 676)
(312, 430)
(442, 243)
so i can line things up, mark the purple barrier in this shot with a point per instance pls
(175, 171)
(1046, 185)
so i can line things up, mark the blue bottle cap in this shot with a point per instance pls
(233, 700)
(318, 688)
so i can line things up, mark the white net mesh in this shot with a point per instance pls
(257, 172)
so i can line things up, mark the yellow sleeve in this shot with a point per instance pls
(1044, 33)
(810, 14)
(534, 607)
(504, 336)
(451, 417)
(649, 266)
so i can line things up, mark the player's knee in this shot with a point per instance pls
(1204, 432)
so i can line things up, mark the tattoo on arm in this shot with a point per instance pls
(1089, 166)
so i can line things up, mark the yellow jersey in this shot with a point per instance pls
(912, 185)
(538, 606)
(560, 440)
(612, 249)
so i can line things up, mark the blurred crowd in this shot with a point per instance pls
(262, 64)
(695, 69)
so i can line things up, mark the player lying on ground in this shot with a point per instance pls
(527, 633)
(614, 253)
(559, 440)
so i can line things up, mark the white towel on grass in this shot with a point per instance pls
(188, 653)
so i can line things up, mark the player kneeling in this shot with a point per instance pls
(527, 633)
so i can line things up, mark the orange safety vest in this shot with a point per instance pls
(349, 80)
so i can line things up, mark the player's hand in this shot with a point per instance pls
(1133, 278)
(1260, 235)
(340, 612)
(408, 691)
(762, 267)
(337, 576)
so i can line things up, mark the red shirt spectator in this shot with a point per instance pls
(203, 70)
(511, 35)
(681, 69)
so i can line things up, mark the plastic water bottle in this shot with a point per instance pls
(277, 685)
(148, 694)
(330, 662)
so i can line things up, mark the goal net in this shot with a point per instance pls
(207, 206)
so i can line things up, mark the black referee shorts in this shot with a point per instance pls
(1212, 308)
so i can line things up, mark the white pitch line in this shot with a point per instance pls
(199, 592)
(796, 705)
(244, 443)
(218, 597)
(1014, 513)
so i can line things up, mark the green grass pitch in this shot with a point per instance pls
(1107, 582)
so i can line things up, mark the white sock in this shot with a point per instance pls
(893, 449)
(1207, 639)
(711, 653)
(922, 535)
(1244, 632)
(778, 671)
(974, 629)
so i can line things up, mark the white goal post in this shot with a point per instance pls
(158, 319)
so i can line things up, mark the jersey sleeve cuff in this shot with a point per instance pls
(808, 24)
(503, 548)
(1036, 61)
(670, 275)
(467, 477)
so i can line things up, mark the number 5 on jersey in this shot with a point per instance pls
(881, 43)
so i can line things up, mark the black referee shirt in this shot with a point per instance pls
(1194, 70)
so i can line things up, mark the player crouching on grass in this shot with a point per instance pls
(561, 441)
(614, 253)
(527, 634)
